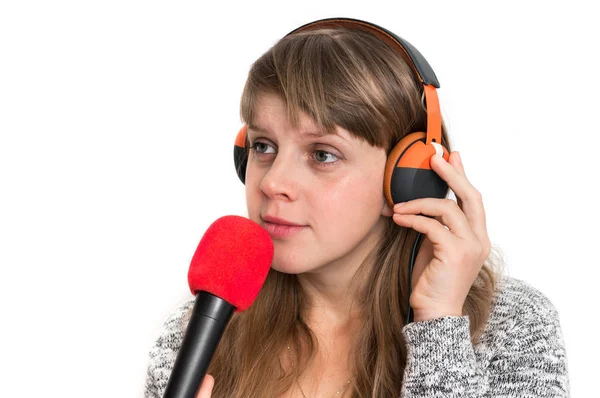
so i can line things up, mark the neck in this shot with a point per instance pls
(332, 292)
(329, 306)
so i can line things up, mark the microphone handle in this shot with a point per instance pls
(210, 316)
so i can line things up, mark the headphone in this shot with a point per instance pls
(408, 174)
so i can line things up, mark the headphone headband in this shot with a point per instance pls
(408, 52)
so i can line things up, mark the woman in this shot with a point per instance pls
(324, 109)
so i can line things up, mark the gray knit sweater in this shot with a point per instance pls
(520, 354)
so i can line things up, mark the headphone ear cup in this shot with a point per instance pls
(240, 157)
(408, 174)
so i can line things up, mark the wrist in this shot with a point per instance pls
(426, 315)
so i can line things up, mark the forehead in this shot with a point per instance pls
(270, 115)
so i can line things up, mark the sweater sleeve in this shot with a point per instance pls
(164, 351)
(528, 360)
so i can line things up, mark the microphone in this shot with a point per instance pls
(226, 274)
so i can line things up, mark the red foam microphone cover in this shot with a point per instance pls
(232, 261)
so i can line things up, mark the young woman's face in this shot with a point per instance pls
(328, 186)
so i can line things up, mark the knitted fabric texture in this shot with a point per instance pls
(520, 354)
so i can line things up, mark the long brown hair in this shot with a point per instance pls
(353, 80)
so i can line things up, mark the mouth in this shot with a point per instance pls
(279, 228)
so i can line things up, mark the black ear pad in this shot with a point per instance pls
(240, 156)
(408, 174)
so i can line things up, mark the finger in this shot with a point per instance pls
(435, 231)
(206, 387)
(471, 202)
(445, 209)
(456, 161)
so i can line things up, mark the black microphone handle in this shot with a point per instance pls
(210, 316)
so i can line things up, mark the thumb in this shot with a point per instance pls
(206, 387)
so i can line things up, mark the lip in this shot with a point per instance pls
(281, 228)
(281, 221)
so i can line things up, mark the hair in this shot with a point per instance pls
(351, 79)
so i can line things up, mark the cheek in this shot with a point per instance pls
(347, 201)
(253, 195)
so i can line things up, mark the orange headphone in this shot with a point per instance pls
(408, 174)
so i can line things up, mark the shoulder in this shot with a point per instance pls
(518, 301)
(523, 343)
(520, 311)
(174, 326)
(164, 350)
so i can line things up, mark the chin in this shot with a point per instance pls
(289, 265)
(287, 268)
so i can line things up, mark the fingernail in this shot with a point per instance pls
(399, 205)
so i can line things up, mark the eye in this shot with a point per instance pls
(325, 157)
(262, 148)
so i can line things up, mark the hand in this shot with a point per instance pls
(206, 387)
(454, 247)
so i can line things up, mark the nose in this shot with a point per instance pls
(281, 180)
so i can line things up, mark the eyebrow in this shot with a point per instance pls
(312, 133)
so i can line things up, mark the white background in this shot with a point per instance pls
(117, 120)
